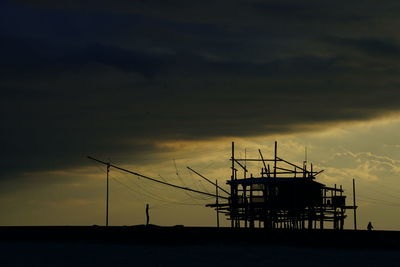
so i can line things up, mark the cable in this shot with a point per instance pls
(373, 188)
(149, 194)
(380, 200)
(156, 198)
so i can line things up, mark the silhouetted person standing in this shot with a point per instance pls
(370, 227)
(147, 215)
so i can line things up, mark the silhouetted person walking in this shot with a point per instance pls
(147, 215)
(370, 227)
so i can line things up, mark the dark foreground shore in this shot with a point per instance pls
(179, 235)
(194, 246)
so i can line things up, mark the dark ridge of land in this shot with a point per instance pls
(179, 235)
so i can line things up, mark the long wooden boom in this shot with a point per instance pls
(155, 180)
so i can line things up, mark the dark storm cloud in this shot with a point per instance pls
(112, 80)
(38, 56)
(303, 11)
(370, 46)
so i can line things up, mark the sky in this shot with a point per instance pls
(156, 86)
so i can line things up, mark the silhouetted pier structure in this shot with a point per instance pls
(282, 196)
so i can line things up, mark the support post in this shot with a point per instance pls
(354, 204)
(245, 163)
(233, 193)
(216, 193)
(335, 210)
(108, 170)
(341, 211)
(245, 204)
(323, 209)
(251, 208)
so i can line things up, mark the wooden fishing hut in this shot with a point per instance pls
(284, 195)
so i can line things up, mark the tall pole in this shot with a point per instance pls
(216, 193)
(233, 161)
(354, 204)
(233, 194)
(275, 153)
(245, 162)
(108, 170)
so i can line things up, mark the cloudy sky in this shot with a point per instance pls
(160, 85)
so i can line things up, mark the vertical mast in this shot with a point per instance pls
(275, 153)
(245, 163)
(233, 193)
(233, 161)
(305, 162)
(108, 170)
